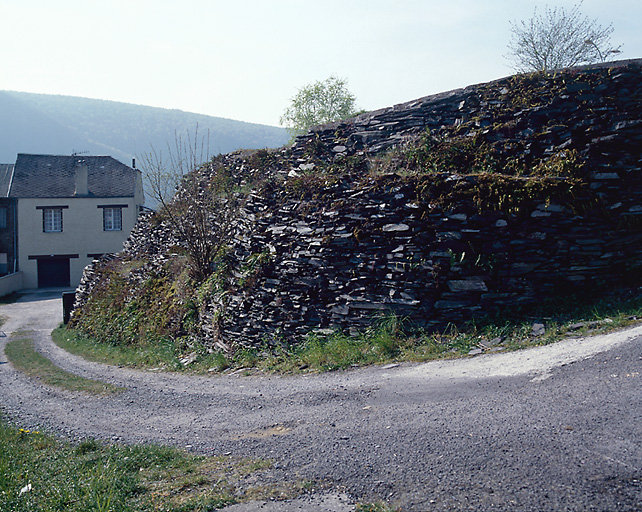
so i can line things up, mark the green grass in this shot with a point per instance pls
(41, 474)
(375, 507)
(23, 356)
(389, 340)
(147, 355)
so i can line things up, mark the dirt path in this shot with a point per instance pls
(545, 428)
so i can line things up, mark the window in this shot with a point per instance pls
(3, 218)
(112, 219)
(52, 220)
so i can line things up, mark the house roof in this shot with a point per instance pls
(6, 171)
(55, 176)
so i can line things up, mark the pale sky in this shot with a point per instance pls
(245, 59)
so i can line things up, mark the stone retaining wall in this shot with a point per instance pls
(442, 247)
(384, 251)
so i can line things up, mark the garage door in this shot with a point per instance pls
(53, 272)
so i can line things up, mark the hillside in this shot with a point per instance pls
(443, 210)
(43, 123)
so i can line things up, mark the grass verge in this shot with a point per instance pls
(148, 355)
(375, 507)
(389, 340)
(41, 474)
(23, 356)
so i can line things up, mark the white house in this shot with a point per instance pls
(70, 210)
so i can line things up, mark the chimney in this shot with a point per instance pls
(133, 163)
(81, 179)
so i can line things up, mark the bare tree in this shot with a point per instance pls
(559, 38)
(203, 215)
(196, 198)
(163, 169)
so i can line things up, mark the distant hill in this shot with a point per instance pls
(51, 124)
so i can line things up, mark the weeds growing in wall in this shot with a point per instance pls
(127, 311)
(532, 171)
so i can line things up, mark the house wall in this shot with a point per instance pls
(82, 232)
(10, 283)
(7, 236)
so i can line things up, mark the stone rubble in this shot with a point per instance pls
(360, 247)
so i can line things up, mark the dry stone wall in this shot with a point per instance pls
(443, 247)
(382, 251)
(595, 109)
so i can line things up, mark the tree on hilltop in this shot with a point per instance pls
(319, 103)
(559, 38)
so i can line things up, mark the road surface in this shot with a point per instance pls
(550, 428)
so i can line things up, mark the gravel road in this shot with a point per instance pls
(551, 428)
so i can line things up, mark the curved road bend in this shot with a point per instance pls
(551, 428)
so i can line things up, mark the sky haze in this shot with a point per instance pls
(245, 59)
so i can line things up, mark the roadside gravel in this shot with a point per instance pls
(550, 428)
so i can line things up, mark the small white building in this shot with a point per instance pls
(70, 210)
